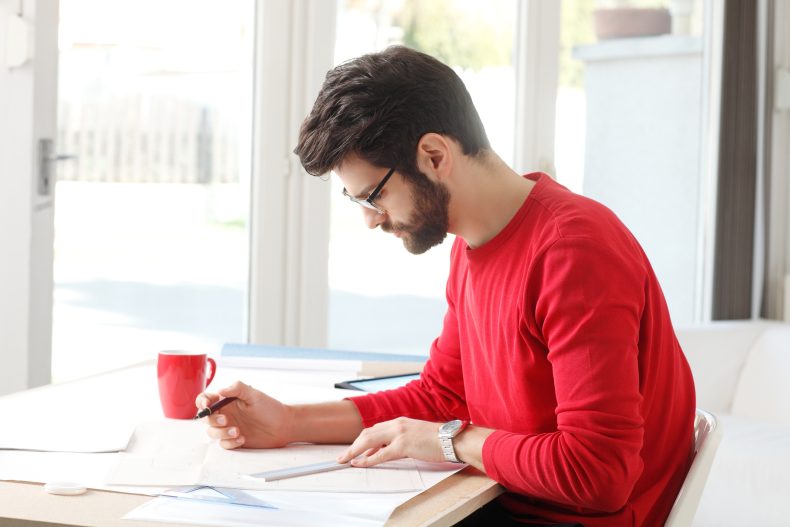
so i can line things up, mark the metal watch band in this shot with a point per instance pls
(446, 439)
(448, 450)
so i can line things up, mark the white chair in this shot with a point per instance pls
(707, 436)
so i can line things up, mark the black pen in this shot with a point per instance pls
(214, 407)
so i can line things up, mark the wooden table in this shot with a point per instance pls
(26, 504)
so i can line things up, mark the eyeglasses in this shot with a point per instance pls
(369, 201)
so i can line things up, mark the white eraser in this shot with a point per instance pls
(64, 488)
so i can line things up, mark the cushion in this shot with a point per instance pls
(763, 390)
(748, 482)
(716, 353)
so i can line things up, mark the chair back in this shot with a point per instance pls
(707, 436)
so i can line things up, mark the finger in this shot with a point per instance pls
(218, 420)
(370, 438)
(379, 456)
(215, 433)
(230, 444)
(356, 448)
(204, 399)
(230, 432)
(368, 452)
(237, 389)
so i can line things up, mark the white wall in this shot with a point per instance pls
(16, 102)
(642, 155)
(778, 239)
(781, 134)
(27, 107)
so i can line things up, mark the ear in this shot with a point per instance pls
(435, 156)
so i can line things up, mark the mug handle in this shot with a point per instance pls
(213, 370)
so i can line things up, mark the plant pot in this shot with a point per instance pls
(629, 22)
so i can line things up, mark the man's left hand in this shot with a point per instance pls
(396, 439)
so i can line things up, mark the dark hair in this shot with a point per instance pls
(379, 105)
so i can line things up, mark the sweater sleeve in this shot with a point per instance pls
(438, 395)
(587, 299)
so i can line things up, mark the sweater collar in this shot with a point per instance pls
(491, 246)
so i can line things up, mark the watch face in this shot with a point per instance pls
(451, 427)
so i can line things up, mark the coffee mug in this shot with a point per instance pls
(182, 376)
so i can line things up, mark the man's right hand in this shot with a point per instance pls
(255, 420)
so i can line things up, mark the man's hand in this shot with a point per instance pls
(396, 439)
(404, 437)
(255, 420)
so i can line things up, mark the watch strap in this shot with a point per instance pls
(446, 442)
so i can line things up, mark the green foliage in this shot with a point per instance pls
(234, 224)
(467, 35)
(576, 30)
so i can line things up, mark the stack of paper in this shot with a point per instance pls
(291, 509)
(170, 452)
(178, 453)
(287, 358)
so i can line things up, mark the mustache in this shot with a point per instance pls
(390, 228)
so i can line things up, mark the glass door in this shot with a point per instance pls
(151, 244)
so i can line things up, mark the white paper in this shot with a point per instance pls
(162, 452)
(42, 467)
(295, 509)
(99, 414)
(89, 470)
(176, 453)
(230, 468)
(170, 510)
(92, 415)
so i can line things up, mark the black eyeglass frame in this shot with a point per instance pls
(368, 202)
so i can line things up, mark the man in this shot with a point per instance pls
(557, 344)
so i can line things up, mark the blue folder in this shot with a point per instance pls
(232, 349)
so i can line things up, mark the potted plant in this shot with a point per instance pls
(627, 19)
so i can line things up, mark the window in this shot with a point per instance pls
(385, 299)
(631, 130)
(151, 243)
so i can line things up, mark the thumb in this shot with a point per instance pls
(238, 389)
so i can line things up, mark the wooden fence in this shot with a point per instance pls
(146, 138)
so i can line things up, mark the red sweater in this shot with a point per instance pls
(557, 335)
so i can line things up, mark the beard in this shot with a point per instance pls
(429, 221)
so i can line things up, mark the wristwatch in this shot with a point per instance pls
(447, 432)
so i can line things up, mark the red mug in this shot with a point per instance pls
(182, 376)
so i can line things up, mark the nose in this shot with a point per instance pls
(372, 218)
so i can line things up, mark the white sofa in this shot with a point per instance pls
(742, 374)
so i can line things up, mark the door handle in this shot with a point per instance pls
(46, 158)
